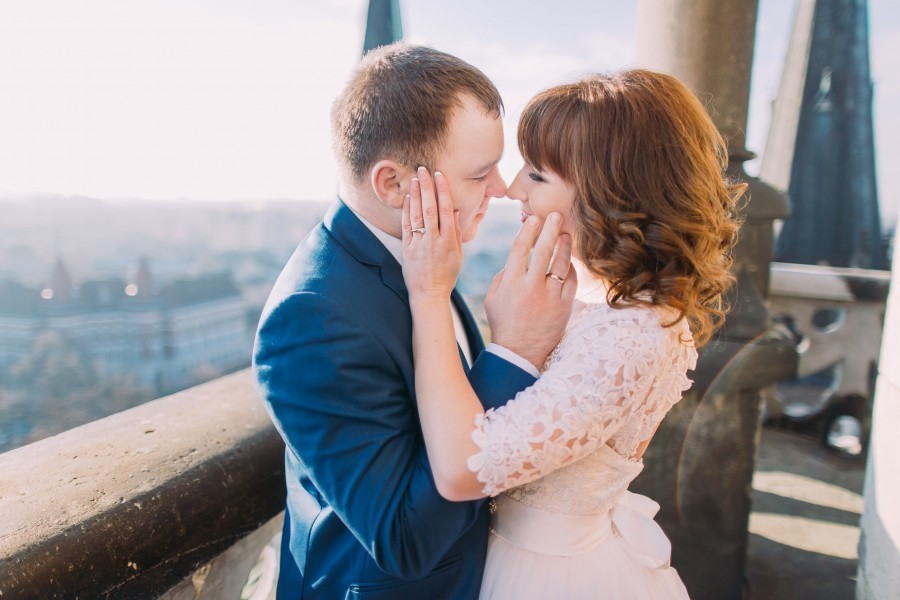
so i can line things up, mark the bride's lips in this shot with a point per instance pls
(525, 215)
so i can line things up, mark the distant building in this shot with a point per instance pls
(164, 338)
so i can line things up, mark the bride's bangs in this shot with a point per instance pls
(547, 132)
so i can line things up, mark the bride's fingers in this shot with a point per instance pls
(405, 223)
(570, 286)
(447, 220)
(429, 202)
(517, 263)
(416, 220)
(562, 257)
(539, 265)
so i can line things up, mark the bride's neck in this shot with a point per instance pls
(589, 285)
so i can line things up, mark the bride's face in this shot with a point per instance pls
(542, 193)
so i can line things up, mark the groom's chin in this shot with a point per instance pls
(470, 232)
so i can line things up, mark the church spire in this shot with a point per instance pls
(383, 25)
(144, 279)
(60, 282)
(830, 146)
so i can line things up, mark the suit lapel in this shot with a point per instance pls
(350, 232)
(476, 344)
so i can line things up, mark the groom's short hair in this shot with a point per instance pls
(398, 104)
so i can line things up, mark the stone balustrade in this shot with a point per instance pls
(175, 498)
(838, 316)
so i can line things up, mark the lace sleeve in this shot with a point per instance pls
(602, 373)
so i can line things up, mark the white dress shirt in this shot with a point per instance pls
(394, 246)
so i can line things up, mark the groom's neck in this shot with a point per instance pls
(363, 201)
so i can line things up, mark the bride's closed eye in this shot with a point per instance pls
(536, 177)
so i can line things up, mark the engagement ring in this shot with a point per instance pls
(556, 277)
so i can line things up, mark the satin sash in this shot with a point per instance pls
(630, 523)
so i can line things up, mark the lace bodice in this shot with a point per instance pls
(569, 443)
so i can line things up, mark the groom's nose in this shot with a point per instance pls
(496, 186)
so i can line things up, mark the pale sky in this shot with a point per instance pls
(229, 99)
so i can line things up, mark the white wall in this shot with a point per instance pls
(879, 558)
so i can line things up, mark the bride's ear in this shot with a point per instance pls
(390, 181)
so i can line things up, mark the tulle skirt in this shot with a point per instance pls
(621, 555)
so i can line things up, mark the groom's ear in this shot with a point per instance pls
(390, 181)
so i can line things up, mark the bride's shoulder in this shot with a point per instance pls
(638, 319)
(602, 332)
(639, 315)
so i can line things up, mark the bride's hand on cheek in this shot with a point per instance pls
(530, 300)
(432, 242)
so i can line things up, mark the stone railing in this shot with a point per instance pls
(175, 499)
(839, 312)
(838, 316)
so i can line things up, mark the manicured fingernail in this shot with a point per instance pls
(555, 217)
(422, 170)
(414, 181)
(438, 174)
(532, 220)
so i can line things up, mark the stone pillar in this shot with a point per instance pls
(700, 464)
(708, 44)
(879, 547)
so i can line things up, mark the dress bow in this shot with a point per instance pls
(632, 520)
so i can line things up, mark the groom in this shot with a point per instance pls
(333, 354)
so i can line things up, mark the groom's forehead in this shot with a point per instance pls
(474, 140)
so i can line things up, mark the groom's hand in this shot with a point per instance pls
(530, 301)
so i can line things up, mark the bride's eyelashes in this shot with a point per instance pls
(536, 177)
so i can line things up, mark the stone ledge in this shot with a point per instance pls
(130, 505)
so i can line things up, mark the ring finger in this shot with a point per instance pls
(562, 257)
(429, 201)
(416, 220)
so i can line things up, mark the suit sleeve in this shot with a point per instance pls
(496, 380)
(346, 414)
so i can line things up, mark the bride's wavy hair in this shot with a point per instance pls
(655, 215)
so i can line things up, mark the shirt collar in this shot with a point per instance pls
(393, 245)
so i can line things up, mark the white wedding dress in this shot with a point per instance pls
(560, 456)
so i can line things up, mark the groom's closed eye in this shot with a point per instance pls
(485, 171)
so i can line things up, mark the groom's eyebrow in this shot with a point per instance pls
(487, 167)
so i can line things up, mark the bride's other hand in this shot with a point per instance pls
(432, 242)
(530, 300)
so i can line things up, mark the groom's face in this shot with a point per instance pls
(469, 160)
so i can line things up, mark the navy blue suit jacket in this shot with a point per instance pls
(333, 361)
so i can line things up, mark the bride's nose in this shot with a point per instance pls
(516, 191)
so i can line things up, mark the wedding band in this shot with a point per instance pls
(556, 277)
(419, 230)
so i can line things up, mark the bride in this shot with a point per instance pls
(628, 168)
